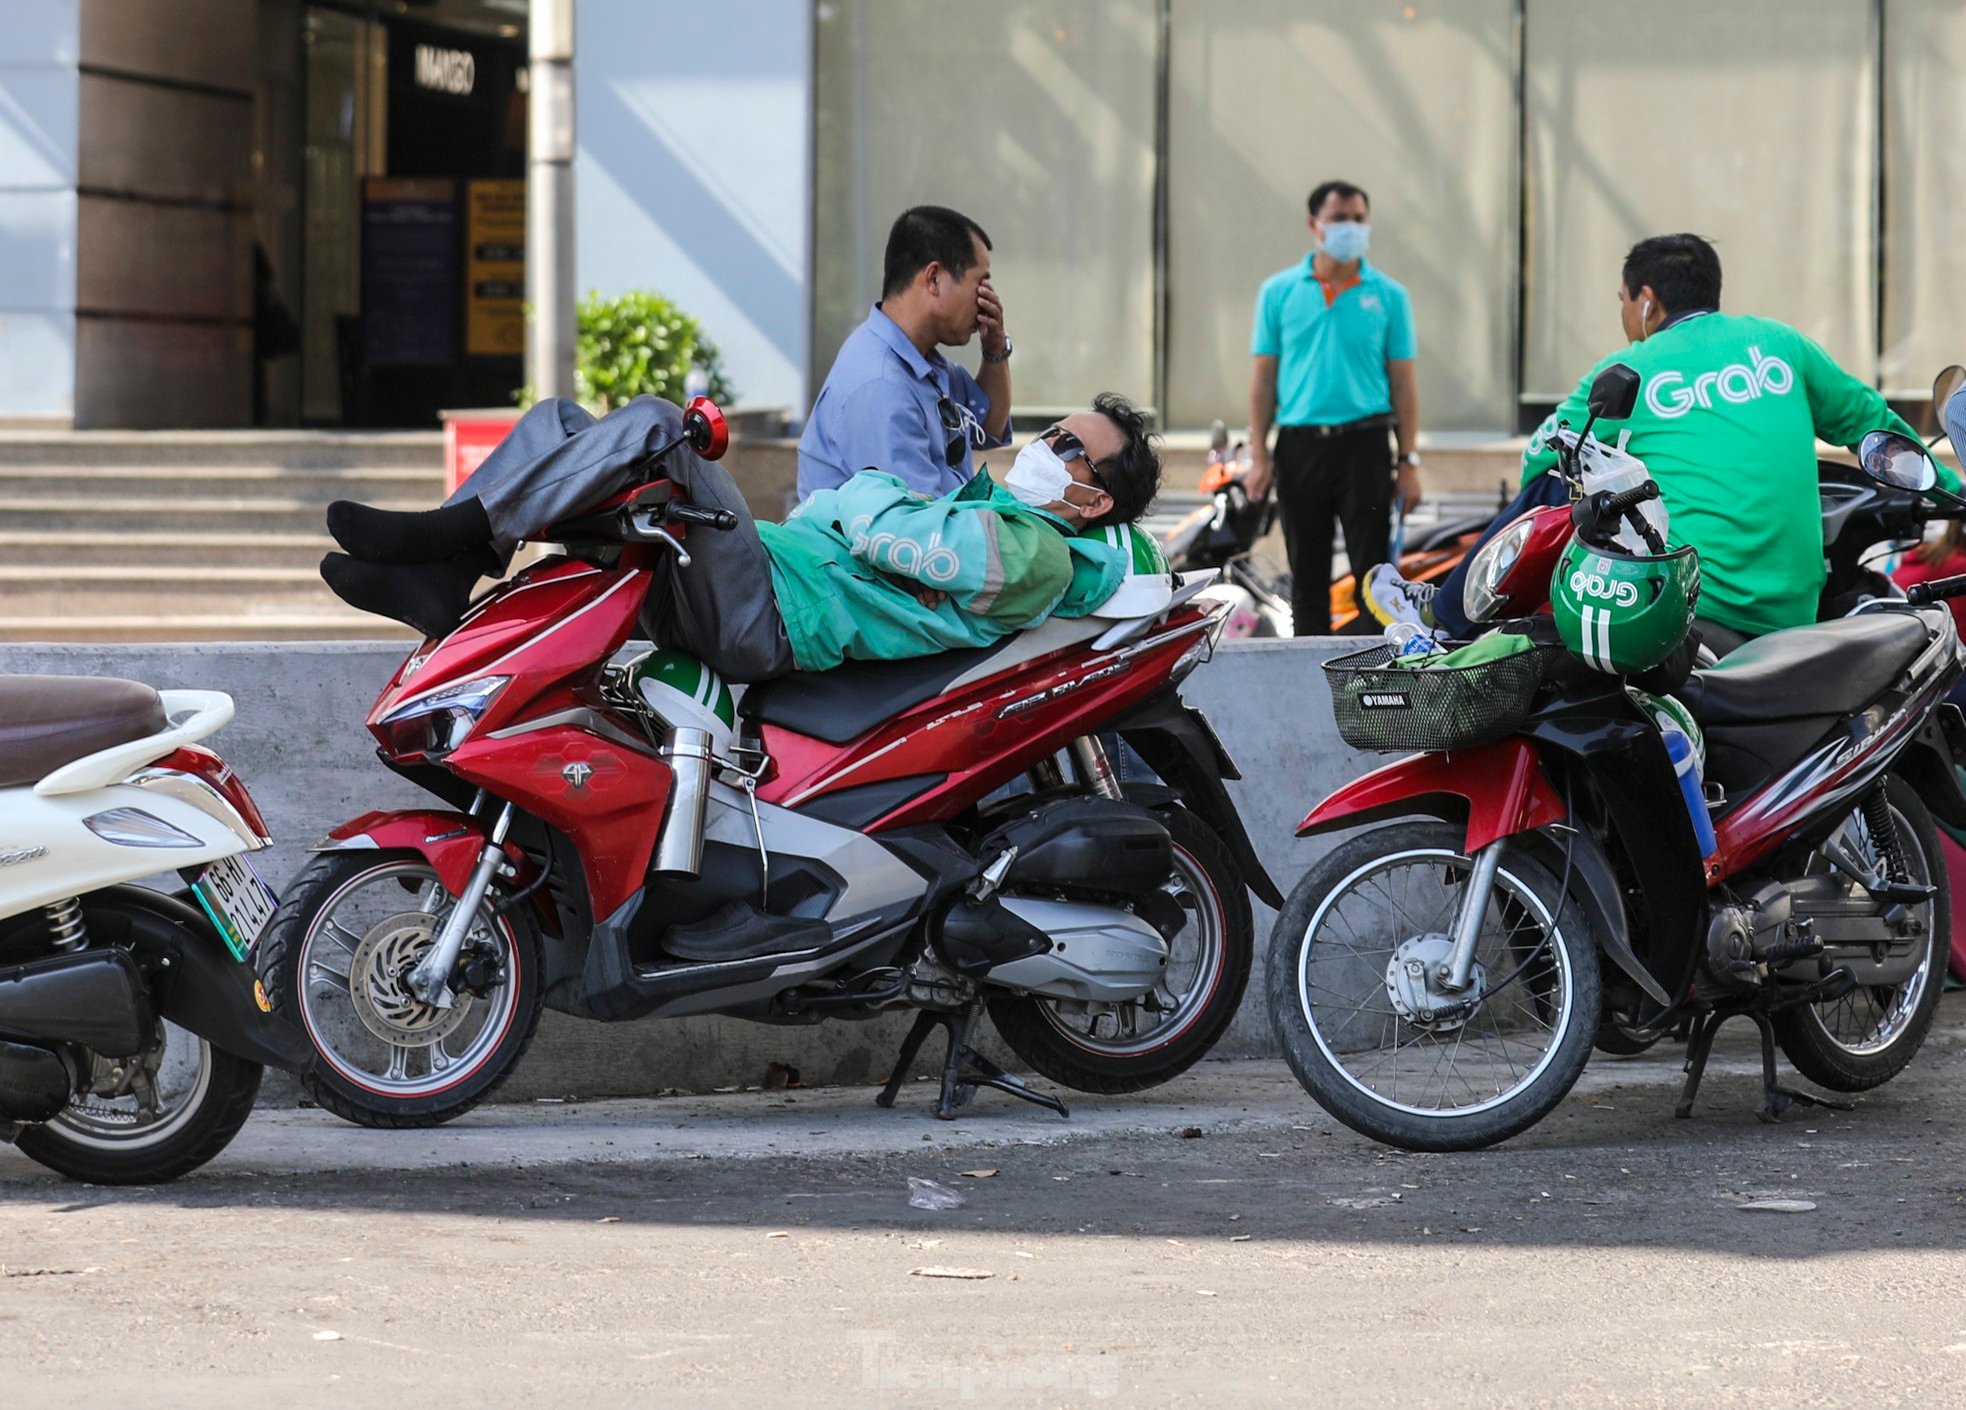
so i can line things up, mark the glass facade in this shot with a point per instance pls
(1416, 103)
(1142, 166)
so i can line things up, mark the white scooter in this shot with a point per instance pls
(132, 1030)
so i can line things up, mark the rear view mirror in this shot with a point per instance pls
(1948, 381)
(1614, 392)
(1897, 461)
(705, 429)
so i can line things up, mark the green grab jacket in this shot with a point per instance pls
(838, 564)
(1729, 412)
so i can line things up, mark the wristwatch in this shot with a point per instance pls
(1003, 356)
(1412, 457)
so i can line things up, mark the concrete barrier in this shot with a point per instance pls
(299, 743)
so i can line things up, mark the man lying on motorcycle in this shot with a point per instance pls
(1728, 416)
(868, 571)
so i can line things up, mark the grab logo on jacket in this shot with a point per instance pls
(933, 562)
(1670, 395)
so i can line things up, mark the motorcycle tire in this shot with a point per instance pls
(1046, 1037)
(1836, 1062)
(392, 1100)
(1569, 991)
(219, 1102)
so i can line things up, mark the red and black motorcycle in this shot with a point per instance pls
(1437, 981)
(624, 840)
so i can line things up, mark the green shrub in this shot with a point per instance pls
(640, 342)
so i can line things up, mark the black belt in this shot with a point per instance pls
(1382, 422)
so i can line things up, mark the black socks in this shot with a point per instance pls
(431, 597)
(406, 536)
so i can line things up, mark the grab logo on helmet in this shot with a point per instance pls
(1670, 395)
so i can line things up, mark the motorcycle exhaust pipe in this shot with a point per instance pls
(92, 997)
(679, 846)
(35, 1083)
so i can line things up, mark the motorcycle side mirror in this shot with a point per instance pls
(1614, 393)
(705, 428)
(1896, 461)
(1949, 380)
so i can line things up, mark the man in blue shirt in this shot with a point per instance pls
(1334, 353)
(892, 402)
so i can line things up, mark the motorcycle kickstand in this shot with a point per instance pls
(963, 1069)
(1775, 1098)
(1699, 1047)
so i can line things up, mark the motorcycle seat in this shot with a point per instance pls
(1831, 668)
(49, 721)
(844, 703)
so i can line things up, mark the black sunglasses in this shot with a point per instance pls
(962, 421)
(1068, 445)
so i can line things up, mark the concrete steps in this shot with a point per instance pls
(113, 536)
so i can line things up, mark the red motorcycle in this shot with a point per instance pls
(625, 841)
(1437, 981)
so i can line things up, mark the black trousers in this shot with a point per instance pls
(1345, 478)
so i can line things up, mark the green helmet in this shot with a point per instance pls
(1624, 612)
(1147, 586)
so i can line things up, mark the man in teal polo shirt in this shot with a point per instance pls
(1334, 353)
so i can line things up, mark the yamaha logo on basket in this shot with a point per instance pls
(1385, 700)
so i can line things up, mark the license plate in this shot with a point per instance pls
(239, 903)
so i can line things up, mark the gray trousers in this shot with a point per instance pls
(560, 462)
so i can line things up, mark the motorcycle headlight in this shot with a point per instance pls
(437, 723)
(1482, 595)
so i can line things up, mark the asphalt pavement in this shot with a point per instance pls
(1218, 1242)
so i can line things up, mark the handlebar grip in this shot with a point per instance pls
(1937, 590)
(721, 519)
(1631, 499)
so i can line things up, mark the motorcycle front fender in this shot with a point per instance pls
(450, 842)
(1498, 790)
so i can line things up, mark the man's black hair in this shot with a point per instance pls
(925, 235)
(1683, 271)
(1343, 190)
(1132, 474)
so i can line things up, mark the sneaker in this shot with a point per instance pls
(1391, 598)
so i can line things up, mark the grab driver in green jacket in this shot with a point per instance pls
(1729, 412)
(870, 570)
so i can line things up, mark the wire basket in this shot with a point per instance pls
(1381, 707)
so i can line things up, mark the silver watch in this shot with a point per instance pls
(1003, 356)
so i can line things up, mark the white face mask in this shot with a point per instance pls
(1347, 240)
(1038, 477)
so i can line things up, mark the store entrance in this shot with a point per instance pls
(414, 288)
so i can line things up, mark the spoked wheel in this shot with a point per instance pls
(149, 1118)
(1369, 1032)
(1127, 1047)
(336, 961)
(1865, 1038)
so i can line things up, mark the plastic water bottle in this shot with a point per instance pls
(1680, 750)
(1411, 639)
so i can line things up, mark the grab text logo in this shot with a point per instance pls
(1670, 395)
(1624, 594)
(933, 562)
